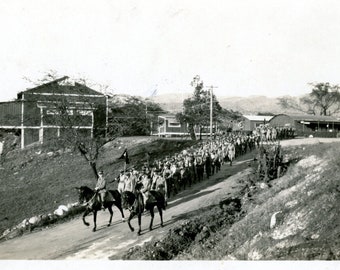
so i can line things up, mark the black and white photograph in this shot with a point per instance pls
(170, 134)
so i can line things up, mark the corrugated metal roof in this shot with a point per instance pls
(55, 87)
(258, 117)
(312, 118)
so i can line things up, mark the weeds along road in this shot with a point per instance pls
(73, 240)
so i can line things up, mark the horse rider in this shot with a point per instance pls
(159, 184)
(121, 182)
(130, 182)
(146, 182)
(101, 188)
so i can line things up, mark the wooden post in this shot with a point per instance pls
(22, 124)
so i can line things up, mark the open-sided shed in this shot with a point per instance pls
(307, 124)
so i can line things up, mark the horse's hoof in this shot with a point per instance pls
(139, 233)
(150, 229)
(108, 225)
(94, 229)
(162, 225)
(132, 229)
(123, 220)
(87, 224)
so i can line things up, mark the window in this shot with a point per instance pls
(173, 124)
(84, 112)
(58, 112)
(52, 112)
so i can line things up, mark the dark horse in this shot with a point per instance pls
(135, 203)
(89, 196)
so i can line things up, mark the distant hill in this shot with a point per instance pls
(245, 105)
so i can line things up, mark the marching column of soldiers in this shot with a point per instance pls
(173, 174)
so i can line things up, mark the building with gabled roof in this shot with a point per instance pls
(251, 122)
(49, 110)
(307, 124)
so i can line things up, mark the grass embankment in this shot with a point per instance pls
(37, 180)
(295, 217)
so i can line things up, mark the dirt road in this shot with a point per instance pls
(73, 240)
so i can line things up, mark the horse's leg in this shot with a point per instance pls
(139, 223)
(119, 206)
(160, 211)
(84, 215)
(152, 214)
(111, 214)
(94, 220)
(129, 219)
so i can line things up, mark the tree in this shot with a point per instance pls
(132, 116)
(196, 109)
(296, 104)
(323, 100)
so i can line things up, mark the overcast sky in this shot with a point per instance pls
(244, 48)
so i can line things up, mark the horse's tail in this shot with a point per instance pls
(116, 195)
(139, 203)
(159, 196)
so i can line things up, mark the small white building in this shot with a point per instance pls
(251, 122)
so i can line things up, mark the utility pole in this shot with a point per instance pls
(211, 110)
(146, 113)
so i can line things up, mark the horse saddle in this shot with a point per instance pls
(107, 197)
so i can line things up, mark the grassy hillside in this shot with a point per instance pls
(295, 217)
(37, 180)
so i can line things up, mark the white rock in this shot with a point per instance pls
(63, 208)
(69, 206)
(24, 223)
(34, 220)
(6, 232)
(315, 236)
(58, 212)
(273, 219)
(263, 185)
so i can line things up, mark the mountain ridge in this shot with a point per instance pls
(246, 105)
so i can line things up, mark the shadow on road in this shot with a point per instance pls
(190, 197)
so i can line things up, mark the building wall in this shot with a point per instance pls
(282, 120)
(10, 114)
(170, 128)
(31, 136)
(86, 110)
(248, 125)
(31, 114)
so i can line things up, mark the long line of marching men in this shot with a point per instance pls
(174, 173)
